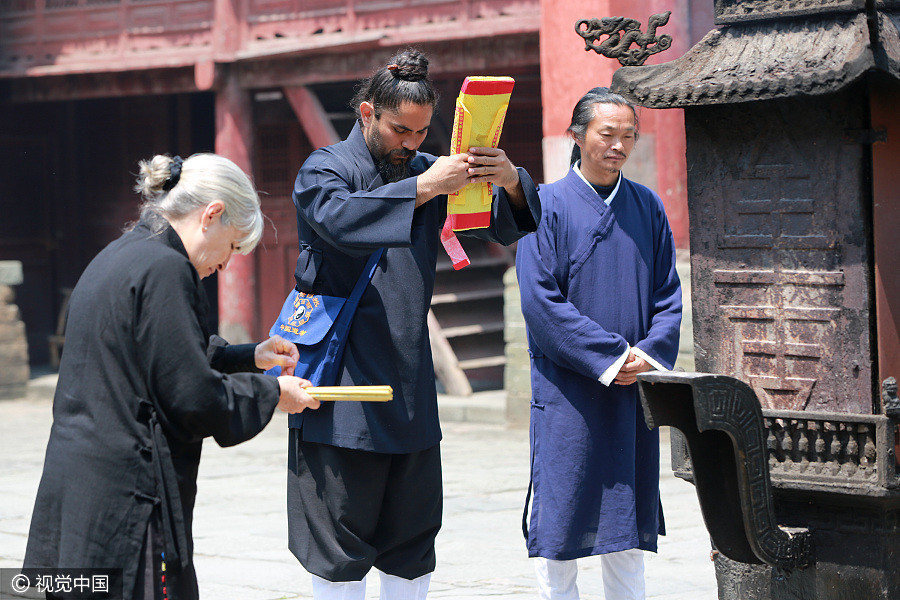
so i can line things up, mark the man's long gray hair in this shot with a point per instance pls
(583, 114)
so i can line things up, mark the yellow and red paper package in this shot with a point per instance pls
(478, 122)
(480, 110)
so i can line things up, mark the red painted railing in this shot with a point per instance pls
(64, 36)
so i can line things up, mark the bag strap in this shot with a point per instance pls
(365, 277)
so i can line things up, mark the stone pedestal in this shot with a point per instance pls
(14, 371)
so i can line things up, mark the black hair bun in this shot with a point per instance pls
(409, 65)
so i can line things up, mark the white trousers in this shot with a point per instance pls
(623, 576)
(392, 588)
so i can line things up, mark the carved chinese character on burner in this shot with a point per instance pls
(782, 312)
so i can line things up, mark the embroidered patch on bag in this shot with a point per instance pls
(304, 306)
(307, 318)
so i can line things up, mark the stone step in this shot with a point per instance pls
(482, 362)
(464, 296)
(472, 329)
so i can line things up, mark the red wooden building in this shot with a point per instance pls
(89, 87)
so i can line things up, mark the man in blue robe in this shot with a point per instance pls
(602, 303)
(364, 481)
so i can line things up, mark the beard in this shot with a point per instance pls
(392, 165)
(391, 172)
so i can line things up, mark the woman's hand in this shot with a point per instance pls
(293, 398)
(276, 352)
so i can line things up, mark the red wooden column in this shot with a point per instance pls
(886, 223)
(568, 71)
(234, 139)
(237, 283)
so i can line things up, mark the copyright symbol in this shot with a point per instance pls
(20, 583)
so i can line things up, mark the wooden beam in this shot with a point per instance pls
(315, 122)
(489, 55)
(446, 365)
(141, 77)
(151, 82)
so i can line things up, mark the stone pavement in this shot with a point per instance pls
(239, 529)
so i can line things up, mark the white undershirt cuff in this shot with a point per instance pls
(653, 362)
(610, 374)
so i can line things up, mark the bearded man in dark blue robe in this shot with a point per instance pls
(364, 482)
(602, 303)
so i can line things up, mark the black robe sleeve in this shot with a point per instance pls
(231, 358)
(193, 400)
(508, 223)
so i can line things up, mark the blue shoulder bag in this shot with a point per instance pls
(319, 326)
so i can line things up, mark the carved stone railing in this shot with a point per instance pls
(722, 423)
(824, 452)
(853, 454)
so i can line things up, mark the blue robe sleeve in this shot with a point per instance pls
(355, 221)
(508, 224)
(565, 335)
(661, 342)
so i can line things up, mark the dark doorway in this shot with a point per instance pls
(66, 176)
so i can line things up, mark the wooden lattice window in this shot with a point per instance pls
(275, 169)
(58, 4)
(16, 6)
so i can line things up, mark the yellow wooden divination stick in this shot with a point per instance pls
(358, 393)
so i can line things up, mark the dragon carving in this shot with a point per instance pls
(623, 32)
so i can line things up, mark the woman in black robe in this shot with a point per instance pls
(141, 383)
